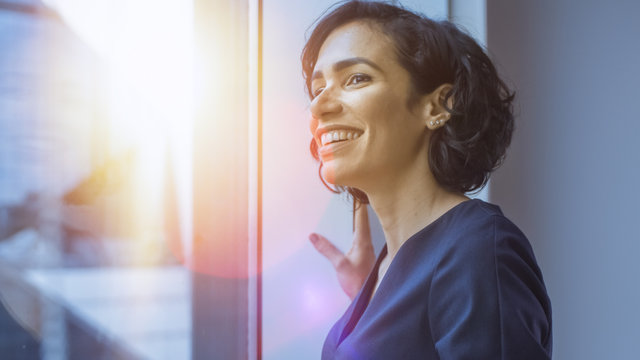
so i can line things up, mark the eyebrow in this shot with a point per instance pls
(343, 64)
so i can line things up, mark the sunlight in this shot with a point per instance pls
(148, 48)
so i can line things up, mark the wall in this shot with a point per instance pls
(570, 181)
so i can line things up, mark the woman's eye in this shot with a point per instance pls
(358, 78)
(317, 91)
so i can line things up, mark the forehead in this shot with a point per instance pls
(356, 39)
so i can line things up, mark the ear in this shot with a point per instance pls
(435, 113)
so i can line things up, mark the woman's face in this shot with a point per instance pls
(361, 121)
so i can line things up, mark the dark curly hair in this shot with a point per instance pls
(464, 152)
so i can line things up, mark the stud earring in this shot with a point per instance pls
(431, 123)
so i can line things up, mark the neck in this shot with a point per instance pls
(406, 203)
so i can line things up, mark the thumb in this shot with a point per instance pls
(327, 249)
(362, 228)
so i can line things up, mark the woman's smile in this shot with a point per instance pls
(338, 136)
(334, 142)
(331, 139)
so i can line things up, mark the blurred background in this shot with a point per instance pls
(156, 190)
(99, 103)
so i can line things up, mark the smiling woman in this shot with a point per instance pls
(408, 115)
(358, 86)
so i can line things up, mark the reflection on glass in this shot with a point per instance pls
(96, 104)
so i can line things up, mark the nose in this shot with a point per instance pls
(325, 104)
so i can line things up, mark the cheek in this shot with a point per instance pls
(377, 107)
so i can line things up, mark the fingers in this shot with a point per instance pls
(363, 231)
(326, 248)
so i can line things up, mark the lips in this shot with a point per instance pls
(335, 136)
(335, 132)
(332, 138)
(332, 142)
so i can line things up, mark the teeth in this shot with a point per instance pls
(337, 135)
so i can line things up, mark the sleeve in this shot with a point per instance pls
(488, 300)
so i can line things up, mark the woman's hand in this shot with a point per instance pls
(353, 267)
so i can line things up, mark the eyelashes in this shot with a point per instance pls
(353, 80)
(356, 79)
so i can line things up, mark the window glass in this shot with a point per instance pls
(97, 107)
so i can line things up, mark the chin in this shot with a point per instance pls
(336, 176)
(328, 174)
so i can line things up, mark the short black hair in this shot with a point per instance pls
(472, 144)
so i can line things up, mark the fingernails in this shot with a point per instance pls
(313, 238)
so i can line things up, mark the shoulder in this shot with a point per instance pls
(479, 229)
(481, 245)
(488, 283)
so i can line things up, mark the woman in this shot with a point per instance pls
(409, 114)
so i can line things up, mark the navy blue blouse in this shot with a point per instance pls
(467, 286)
